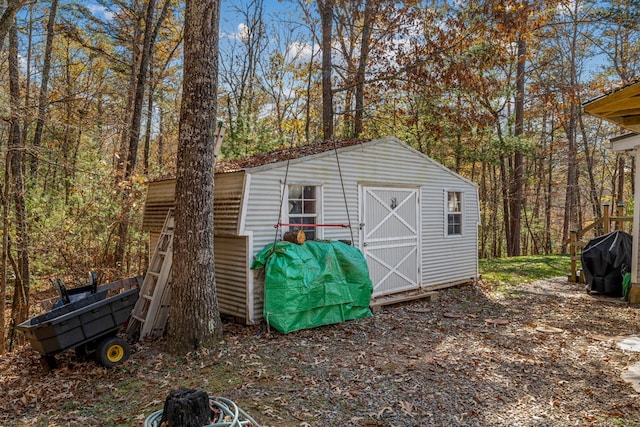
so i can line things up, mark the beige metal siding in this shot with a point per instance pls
(231, 269)
(227, 201)
(230, 251)
(160, 198)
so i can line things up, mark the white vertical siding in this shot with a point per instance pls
(256, 193)
(385, 162)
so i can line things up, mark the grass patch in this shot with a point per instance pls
(508, 272)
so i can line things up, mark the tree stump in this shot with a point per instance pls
(186, 408)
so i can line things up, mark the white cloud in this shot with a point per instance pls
(22, 63)
(102, 11)
(301, 51)
(243, 32)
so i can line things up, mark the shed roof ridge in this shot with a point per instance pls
(285, 153)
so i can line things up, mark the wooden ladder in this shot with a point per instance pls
(150, 314)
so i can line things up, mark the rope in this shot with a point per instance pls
(344, 195)
(284, 187)
(230, 415)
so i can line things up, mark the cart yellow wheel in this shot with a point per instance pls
(113, 351)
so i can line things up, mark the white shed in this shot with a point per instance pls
(415, 221)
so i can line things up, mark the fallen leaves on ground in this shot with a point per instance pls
(543, 354)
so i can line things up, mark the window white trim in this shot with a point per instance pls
(460, 213)
(286, 219)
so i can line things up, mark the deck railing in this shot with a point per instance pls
(600, 226)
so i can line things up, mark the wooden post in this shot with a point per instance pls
(573, 243)
(605, 219)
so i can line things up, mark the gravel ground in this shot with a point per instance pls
(542, 354)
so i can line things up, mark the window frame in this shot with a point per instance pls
(448, 213)
(318, 207)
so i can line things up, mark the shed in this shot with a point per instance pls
(415, 221)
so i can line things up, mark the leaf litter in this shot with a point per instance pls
(547, 356)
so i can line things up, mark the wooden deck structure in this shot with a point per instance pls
(600, 226)
(622, 107)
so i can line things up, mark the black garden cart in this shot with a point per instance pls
(88, 324)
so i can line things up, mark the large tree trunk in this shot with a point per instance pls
(20, 308)
(44, 83)
(325, 8)
(362, 66)
(194, 316)
(515, 199)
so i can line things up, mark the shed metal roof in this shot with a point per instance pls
(283, 154)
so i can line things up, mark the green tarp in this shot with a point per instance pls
(313, 284)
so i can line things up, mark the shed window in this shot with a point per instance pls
(303, 208)
(454, 213)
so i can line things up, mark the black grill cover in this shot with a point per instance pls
(605, 260)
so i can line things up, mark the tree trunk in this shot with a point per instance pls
(362, 66)
(589, 150)
(620, 195)
(571, 200)
(5, 250)
(26, 119)
(20, 307)
(325, 8)
(7, 17)
(548, 198)
(186, 408)
(44, 83)
(160, 154)
(515, 199)
(134, 131)
(147, 132)
(194, 316)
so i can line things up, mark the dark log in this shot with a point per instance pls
(186, 408)
(298, 237)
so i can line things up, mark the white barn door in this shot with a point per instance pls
(390, 237)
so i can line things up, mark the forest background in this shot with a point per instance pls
(90, 98)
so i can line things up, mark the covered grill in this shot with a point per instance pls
(605, 260)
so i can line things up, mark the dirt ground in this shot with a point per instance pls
(542, 354)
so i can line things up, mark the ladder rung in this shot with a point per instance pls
(139, 319)
(154, 273)
(149, 297)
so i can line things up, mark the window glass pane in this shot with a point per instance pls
(303, 208)
(295, 206)
(309, 192)
(295, 192)
(454, 201)
(309, 207)
(454, 224)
